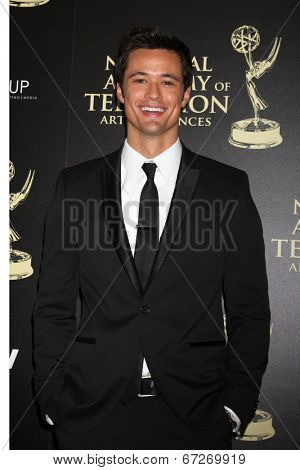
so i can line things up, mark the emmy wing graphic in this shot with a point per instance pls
(19, 261)
(27, 3)
(256, 132)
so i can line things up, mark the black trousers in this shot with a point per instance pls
(146, 423)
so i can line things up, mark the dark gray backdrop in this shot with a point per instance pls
(60, 48)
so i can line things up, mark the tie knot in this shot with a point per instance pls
(149, 169)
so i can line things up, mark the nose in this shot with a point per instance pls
(153, 91)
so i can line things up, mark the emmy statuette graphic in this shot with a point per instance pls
(255, 132)
(19, 261)
(27, 3)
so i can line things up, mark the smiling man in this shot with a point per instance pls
(153, 94)
(150, 363)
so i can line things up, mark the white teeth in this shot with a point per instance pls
(155, 110)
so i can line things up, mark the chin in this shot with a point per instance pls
(151, 130)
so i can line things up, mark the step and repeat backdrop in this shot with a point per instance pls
(244, 111)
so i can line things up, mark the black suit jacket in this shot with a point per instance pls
(211, 249)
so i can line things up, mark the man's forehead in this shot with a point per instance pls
(154, 61)
(153, 55)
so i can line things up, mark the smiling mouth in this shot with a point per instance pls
(152, 110)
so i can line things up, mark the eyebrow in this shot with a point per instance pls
(166, 75)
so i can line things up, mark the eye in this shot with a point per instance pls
(139, 80)
(167, 83)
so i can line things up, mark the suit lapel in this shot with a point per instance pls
(187, 178)
(188, 175)
(112, 207)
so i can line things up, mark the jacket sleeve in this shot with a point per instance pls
(246, 300)
(54, 316)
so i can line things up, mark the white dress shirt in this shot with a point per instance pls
(133, 179)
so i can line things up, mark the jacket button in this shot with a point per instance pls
(145, 309)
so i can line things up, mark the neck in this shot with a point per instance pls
(151, 146)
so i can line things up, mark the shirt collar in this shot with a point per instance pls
(167, 162)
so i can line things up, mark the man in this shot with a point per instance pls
(160, 237)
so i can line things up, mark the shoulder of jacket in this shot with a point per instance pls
(87, 168)
(217, 169)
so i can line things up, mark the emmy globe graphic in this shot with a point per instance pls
(261, 426)
(19, 261)
(27, 3)
(255, 132)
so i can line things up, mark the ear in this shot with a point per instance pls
(186, 97)
(120, 93)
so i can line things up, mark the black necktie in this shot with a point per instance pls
(147, 238)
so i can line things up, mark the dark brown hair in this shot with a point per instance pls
(152, 38)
